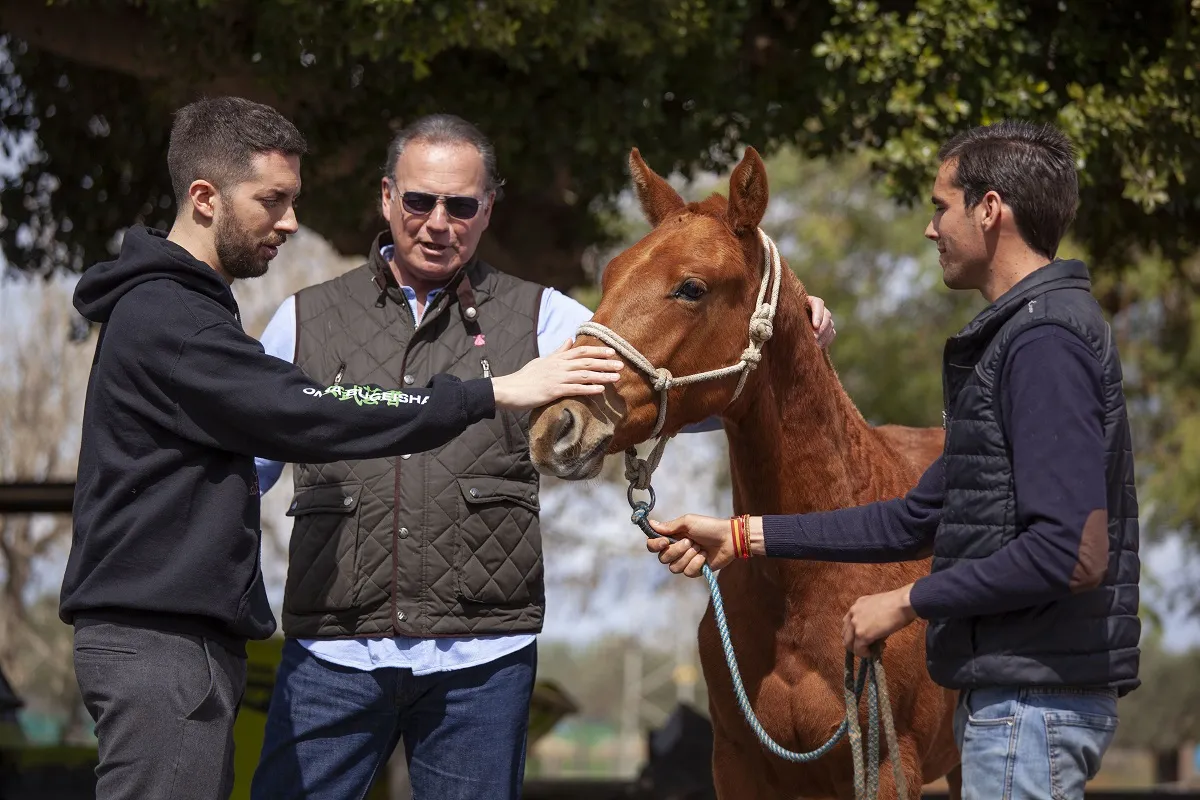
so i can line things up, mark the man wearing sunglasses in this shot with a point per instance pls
(415, 586)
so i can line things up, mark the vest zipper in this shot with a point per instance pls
(337, 379)
(394, 621)
(417, 326)
(505, 419)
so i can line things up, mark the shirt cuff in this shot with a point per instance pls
(779, 537)
(927, 599)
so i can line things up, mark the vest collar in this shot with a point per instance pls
(1058, 274)
(467, 285)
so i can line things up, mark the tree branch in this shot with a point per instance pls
(89, 36)
(126, 41)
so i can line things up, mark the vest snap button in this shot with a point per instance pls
(402, 533)
(471, 313)
(406, 456)
(349, 501)
(401, 616)
(409, 380)
(474, 493)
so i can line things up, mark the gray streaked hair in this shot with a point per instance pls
(445, 129)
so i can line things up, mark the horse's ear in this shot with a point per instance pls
(657, 197)
(748, 194)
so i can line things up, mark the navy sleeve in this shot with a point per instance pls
(1053, 412)
(900, 529)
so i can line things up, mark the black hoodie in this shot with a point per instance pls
(179, 401)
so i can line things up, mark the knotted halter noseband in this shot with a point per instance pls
(639, 471)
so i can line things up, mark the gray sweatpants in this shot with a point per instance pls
(164, 706)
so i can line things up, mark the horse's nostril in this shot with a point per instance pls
(564, 430)
(565, 426)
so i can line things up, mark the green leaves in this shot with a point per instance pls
(1121, 81)
(566, 88)
(867, 257)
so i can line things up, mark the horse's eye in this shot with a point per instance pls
(691, 289)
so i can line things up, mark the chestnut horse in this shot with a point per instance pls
(683, 296)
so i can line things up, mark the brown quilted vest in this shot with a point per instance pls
(442, 543)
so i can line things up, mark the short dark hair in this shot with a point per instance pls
(1031, 166)
(445, 129)
(215, 139)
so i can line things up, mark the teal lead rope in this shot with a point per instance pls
(866, 775)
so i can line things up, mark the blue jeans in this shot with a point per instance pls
(1034, 743)
(331, 729)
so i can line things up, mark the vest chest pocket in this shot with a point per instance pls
(323, 549)
(499, 547)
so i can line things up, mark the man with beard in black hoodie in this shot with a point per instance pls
(163, 582)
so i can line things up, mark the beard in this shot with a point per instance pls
(239, 252)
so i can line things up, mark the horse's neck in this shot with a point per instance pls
(796, 441)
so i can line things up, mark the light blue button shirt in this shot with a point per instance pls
(558, 319)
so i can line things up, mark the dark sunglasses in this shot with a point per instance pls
(457, 206)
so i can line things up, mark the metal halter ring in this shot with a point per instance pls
(635, 504)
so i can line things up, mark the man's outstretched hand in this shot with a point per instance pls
(565, 372)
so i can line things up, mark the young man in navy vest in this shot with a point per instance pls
(1031, 513)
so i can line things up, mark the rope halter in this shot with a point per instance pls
(639, 471)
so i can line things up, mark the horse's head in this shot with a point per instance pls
(682, 297)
